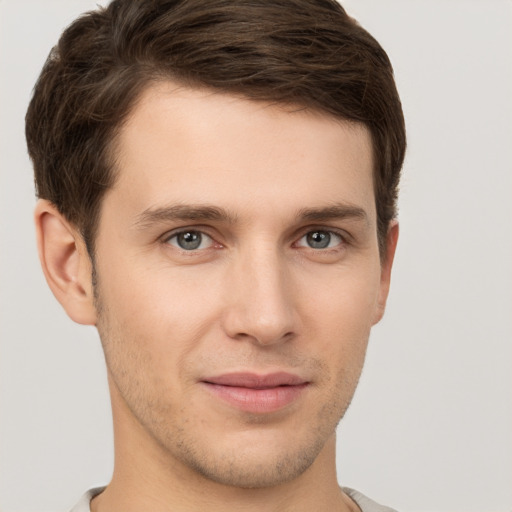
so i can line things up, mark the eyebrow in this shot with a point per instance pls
(183, 212)
(333, 212)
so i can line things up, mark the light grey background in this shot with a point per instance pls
(430, 428)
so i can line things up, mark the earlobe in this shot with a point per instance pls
(65, 262)
(386, 266)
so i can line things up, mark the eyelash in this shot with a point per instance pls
(167, 239)
(330, 235)
(340, 236)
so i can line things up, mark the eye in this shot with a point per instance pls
(320, 239)
(190, 240)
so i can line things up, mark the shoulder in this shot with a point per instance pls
(365, 503)
(84, 504)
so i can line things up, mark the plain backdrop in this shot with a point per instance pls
(430, 428)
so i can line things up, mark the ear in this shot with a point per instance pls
(66, 263)
(385, 272)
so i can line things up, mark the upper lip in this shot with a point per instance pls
(256, 381)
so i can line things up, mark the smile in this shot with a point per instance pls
(254, 393)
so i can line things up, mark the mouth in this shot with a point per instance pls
(250, 392)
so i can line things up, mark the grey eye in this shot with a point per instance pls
(320, 239)
(190, 240)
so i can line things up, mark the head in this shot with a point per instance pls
(204, 166)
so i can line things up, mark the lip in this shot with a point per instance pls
(255, 393)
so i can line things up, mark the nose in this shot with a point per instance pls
(261, 303)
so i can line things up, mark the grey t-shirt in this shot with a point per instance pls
(364, 503)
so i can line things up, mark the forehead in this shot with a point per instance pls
(184, 145)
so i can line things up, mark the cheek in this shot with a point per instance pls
(346, 302)
(340, 317)
(160, 313)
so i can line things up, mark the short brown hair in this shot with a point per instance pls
(303, 52)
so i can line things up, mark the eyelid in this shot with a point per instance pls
(203, 230)
(338, 238)
(341, 233)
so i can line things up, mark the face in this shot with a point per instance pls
(238, 279)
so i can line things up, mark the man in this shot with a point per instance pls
(217, 184)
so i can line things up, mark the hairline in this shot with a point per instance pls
(112, 150)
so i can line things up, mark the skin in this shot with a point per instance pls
(253, 180)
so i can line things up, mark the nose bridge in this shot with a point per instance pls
(261, 305)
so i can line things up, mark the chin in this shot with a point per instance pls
(253, 475)
(256, 464)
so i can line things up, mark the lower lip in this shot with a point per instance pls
(257, 400)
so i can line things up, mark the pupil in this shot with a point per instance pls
(189, 240)
(319, 239)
